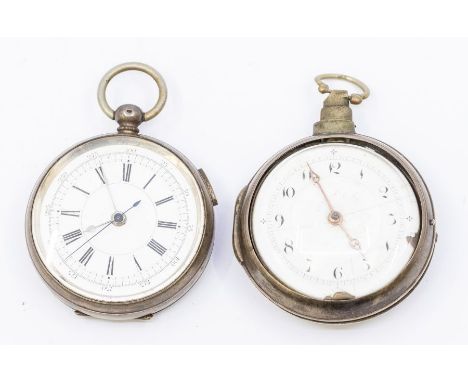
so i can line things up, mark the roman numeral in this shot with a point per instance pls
(75, 214)
(163, 224)
(87, 256)
(165, 200)
(110, 266)
(155, 246)
(100, 174)
(126, 171)
(149, 181)
(80, 189)
(136, 262)
(72, 236)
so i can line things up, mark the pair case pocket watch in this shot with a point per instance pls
(334, 228)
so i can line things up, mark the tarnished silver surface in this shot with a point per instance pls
(354, 98)
(335, 125)
(138, 66)
(137, 308)
(334, 310)
(129, 118)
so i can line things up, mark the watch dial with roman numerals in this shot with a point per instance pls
(335, 220)
(118, 219)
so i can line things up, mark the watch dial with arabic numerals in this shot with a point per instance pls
(118, 219)
(335, 219)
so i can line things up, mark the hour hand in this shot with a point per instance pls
(117, 217)
(92, 228)
(104, 180)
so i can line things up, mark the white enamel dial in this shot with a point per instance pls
(118, 219)
(335, 219)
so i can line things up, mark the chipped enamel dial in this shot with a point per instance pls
(336, 227)
(335, 220)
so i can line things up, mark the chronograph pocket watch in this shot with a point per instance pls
(337, 227)
(120, 226)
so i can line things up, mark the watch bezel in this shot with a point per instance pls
(335, 311)
(140, 307)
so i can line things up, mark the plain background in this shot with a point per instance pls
(232, 104)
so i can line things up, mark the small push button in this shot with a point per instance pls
(208, 186)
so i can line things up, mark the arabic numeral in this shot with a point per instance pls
(48, 209)
(279, 220)
(366, 263)
(72, 274)
(63, 177)
(288, 247)
(334, 167)
(289, 192)
(338, 273)
(174, 261)
(144, 283)
(91, 156)
(383, 192)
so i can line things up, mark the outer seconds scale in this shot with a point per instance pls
(120, 226)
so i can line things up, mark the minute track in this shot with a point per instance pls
(92, 250)
(357, 253)
(330, 276)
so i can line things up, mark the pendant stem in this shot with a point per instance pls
(336, 116)
(129, 117)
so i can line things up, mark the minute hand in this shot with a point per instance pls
(335, 217)
(106, 184)
(316, 180)
(103, 228)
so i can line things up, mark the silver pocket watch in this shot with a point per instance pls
(339, 226)
(121, 225)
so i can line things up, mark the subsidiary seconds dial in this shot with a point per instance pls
(335, 220)
(119, 220)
